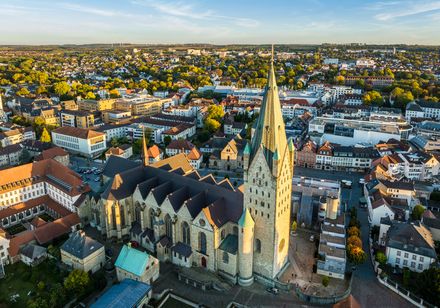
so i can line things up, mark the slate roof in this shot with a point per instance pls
(132, 260)
(127, 293)
(222, 203)
(230, 244)
(32, 251)
(80, 245)
(182, 249)
(116, 165)
(411, 237)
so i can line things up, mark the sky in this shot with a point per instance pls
(219, 21)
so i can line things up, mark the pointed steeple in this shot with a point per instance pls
(270, 132)
(145, 157)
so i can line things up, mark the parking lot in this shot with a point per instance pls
(89, 170)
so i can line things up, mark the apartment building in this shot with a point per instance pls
(86, 142)
(96, 105)
(18, 135)
(423, 109)
(410, 245)
(141, 104)
(77, 118)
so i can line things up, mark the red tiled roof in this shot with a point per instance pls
(56, 228)
(52, 153)
(17, 241)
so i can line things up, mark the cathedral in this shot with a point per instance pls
(190, 220)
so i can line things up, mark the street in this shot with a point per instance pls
(365, 289)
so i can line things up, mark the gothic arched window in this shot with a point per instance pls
(151, 219)
(235, 230)
(202, 243)
(137, 214)
(258, 245)
(168, 227)
(186, 237)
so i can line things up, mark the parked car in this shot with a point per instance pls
(312, 238)
(346, 183)
(274, 291)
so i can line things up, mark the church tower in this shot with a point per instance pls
(268, 171)
(145, 158)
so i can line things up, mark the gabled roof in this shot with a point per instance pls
(80, 245)
(132, 260)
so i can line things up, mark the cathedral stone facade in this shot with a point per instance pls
(196, 221)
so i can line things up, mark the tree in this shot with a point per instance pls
(373, 98)
(216, 112)
(23, 92)
(417, 212)
(427, 284)
(340, 79)
(381, 258)
(294, 226)
(39, 121)
(356, 255)
(57, 295)
(167, 140)
(90, 95)
(354, 231)
(211, 125)
(61, 88)
(41, 286)
(325, 281)
(406, 277)
(114, 93)
(354, 241)
(45, 136)
(77, 282)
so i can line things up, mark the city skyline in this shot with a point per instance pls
(246, 22)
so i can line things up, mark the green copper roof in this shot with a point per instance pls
(275, 155)
(291, 146)
(247, 149)
(132, 260)
(269, 131)
(246, 220)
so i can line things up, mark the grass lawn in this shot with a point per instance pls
(16, 229)
(20, 279)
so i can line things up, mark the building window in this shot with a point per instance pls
(405, 255)
(225, 257)
(397, 260)
(414, 257)
(405, 262)
(223, 234)
(186, 239)
(420, 266)
(168, 227)
(258, 246)
(421, 259)
(399, 252)
(413, 264)
(202, 243)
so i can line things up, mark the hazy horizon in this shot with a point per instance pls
(314, 22)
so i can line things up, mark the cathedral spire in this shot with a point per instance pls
(269, 132)
(145, 157)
